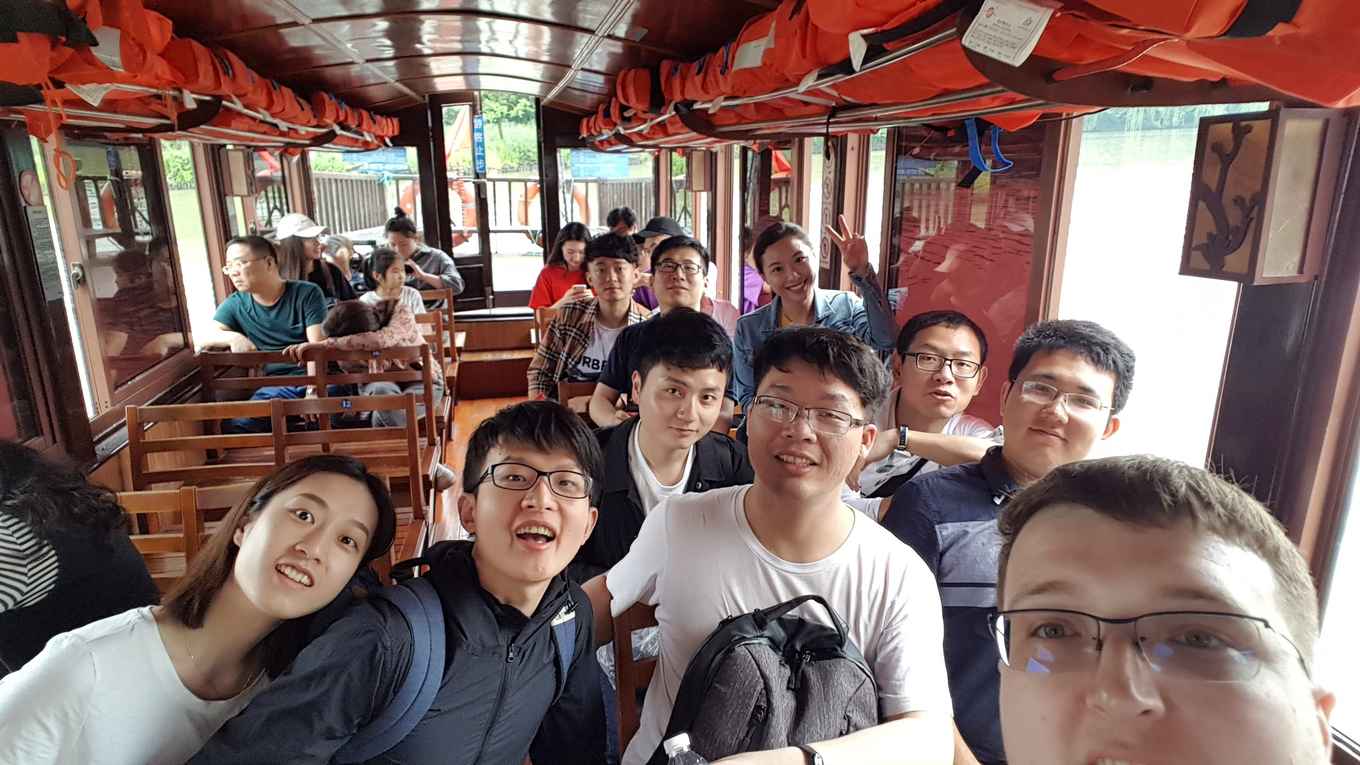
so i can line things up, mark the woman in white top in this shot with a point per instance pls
(152, 684)
(387, 269)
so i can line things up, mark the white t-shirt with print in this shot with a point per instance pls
(650, 490)
(697, 560)
(107, 694)
(597, 352)
(875, 474)
(410, 297)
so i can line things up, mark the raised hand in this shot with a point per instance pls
(854, 250)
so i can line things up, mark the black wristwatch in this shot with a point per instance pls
(902, 433)
(811, 755)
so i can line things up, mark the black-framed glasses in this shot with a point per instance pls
(671, 266)
(832, 422)
(517, 476)
(1043, 394)
(1203, 646)
(934, 362)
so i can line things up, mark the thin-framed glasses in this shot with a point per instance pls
(234, 266)
(517, 476)
(1043, 394)
(671, 266)
(933, 362)
(832, 422)
(1203, 646)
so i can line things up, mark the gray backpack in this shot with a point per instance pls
(767, 680)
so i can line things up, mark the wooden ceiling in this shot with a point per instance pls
(392, 54)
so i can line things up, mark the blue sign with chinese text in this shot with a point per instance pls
(478, 144)
(594, 164)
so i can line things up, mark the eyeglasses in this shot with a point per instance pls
(1044, 394)
(516, 476)
(933, 362)
(829, 421)
(1204, 646)
(671, 266)
(234, 266)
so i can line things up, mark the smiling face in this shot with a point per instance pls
(524, 537)
(312, 248)
(612, 279)
(941, 394)
(790, 268)
(793, 459)
(302, 547)
(1042, 437)
(678, 288)
(1070, 557)
(573, 253)
(403, 244)
(676, 406)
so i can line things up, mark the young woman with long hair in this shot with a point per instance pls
(151, 684)
(563, 279)
(300, 252)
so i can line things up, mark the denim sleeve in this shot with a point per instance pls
(874, 323)
(742, 381)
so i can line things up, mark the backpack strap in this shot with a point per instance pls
(564, 637)
(419, 604)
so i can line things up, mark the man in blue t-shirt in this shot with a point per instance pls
(266, 313)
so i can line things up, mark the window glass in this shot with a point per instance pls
(186, 215)
(682, 201)
(967, 249)
(467, 239)
(813, 224)
(127, 262)
(260, 213)
(781, 183)
(873, 193)
(1123, 257)
(357, 191)
(513, 188)
(1341, 622)
(594, 182)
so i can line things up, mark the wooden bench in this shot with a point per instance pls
(441, 347)
(167, 553)
(633, 674)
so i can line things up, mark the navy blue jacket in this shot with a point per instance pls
(950, 518)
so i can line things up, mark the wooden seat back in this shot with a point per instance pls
(180, 418)
(231, 375)
(324, 357)
(167, 553)
(633, 674)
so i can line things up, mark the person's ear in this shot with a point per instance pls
(590, 522)
(238, 536)
(895, 366)
(866, 439)
(467, 511)
(637, 387)
(981, 379)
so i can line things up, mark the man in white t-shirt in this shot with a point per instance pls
(700, 558)
(922, 427)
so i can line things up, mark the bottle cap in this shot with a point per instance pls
(677, 743)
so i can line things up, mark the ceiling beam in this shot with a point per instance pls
(608, 24)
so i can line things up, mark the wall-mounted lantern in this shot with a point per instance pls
(1261, 195)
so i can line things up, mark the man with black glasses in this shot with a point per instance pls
(1067, 383)
(1154, 613)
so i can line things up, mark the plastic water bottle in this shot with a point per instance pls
(677, 749)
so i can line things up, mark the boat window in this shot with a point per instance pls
(191, 246)
(513, 187)
(594, 182)
(1122, 270)
(873, 193)
(129, 272)
(356, 191)
(962, 247)
(813, 188)
(466, 236)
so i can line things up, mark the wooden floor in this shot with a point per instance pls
(467, 415)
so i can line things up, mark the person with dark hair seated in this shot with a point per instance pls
(511, 685)
(300, 256)
(578, 341)
(387, 271)
(65, 556)
(657, 230)
(621, 221)
(1151, 612)
(681, 272)
(431, 269)
(700, 558)
(922, 426)
(563, 278)
(151, 684)
(669, 448)
(1067, 383)
(787, 260)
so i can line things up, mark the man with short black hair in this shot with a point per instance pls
(700, 558)
(657, 230)
(1154, 613)
(580, 337)
(621, 221)
(669, 448)
(1067, 383)
(681, 269)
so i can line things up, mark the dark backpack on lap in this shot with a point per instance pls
(767, 680)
